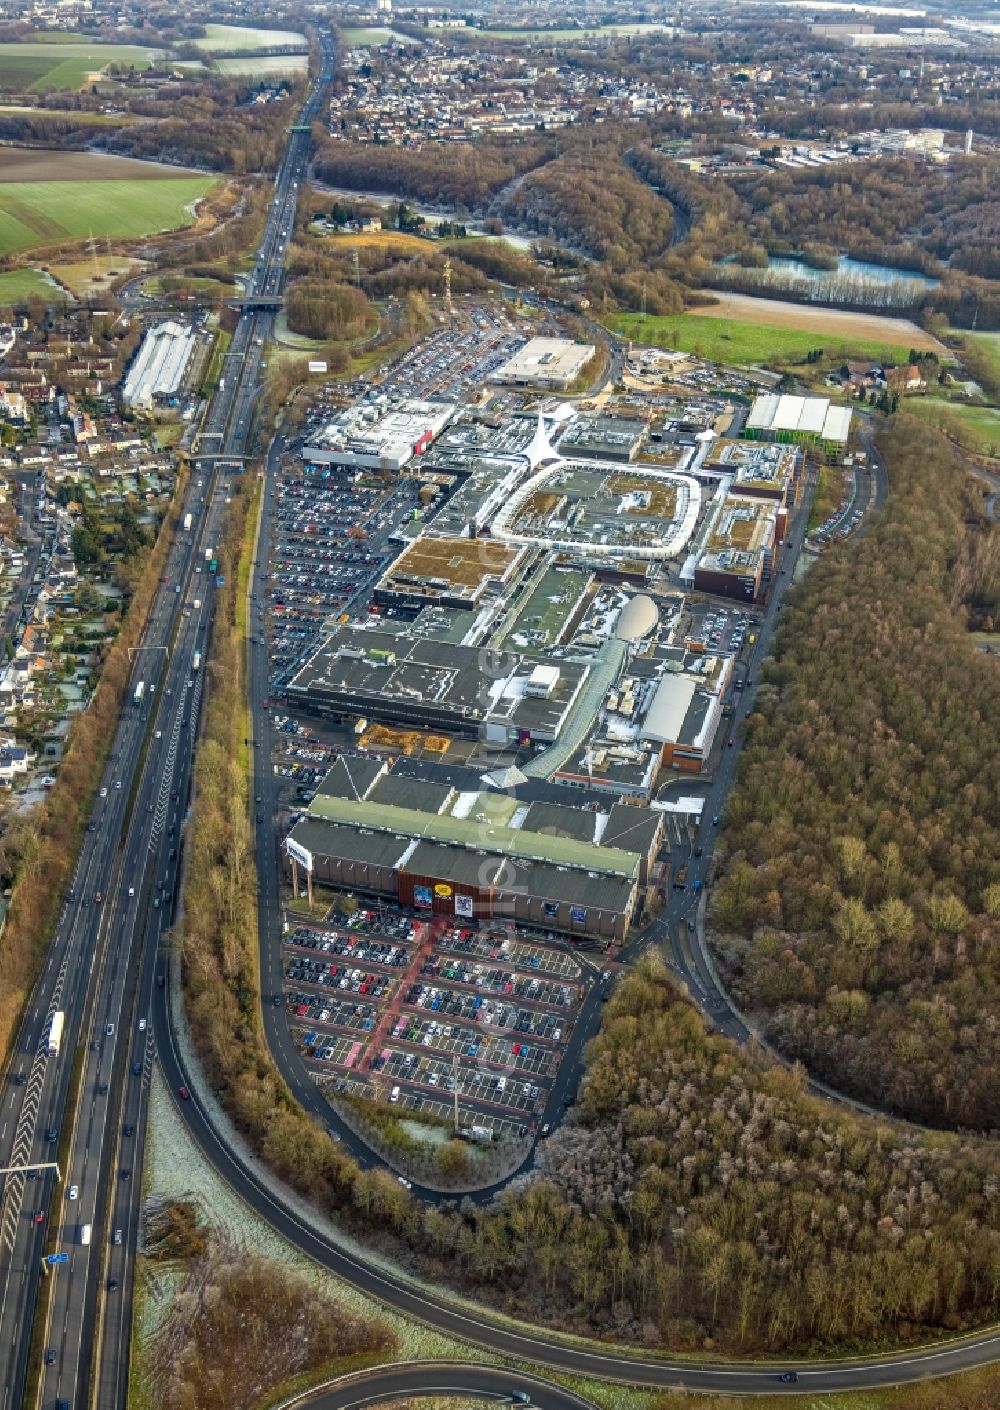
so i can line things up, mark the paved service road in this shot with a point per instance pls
(440, 1378)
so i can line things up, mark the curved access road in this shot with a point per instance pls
(315, 1238)
(411, 1379)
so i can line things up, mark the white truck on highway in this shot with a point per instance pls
(196, 661)
(187, 523)
(56, 1024)
(139, 692)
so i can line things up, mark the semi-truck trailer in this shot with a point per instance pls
(140, 691)
(56, 1024)
(196, 660)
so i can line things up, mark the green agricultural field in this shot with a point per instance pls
(976, 427)
(228, 38)
(17, 285)
(988, 343)
(37, 213)
(39, 67)
(743, 344)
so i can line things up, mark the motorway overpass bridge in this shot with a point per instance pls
(257, 303)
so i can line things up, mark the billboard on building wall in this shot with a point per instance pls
(578, 915)
(423, 896)
(550, 909)
(298, 853)
(464, 907)
(443, 890)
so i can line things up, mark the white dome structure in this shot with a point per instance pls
(638, 618)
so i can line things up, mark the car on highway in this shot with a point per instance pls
(98, 896)
(142, 1025)
(109, 1030)
(184, 1093)
(73, 1192)
(50, 1356)
(117, 1237)
(39, 1216)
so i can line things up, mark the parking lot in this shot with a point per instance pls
(329, 543)
(722, 629)
(412, 1011)
(454, 361)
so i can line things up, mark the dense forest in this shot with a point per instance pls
(860, 901)
(591, 198)
(455, 175)
(320, 309)
(913, 209)
(206, 124)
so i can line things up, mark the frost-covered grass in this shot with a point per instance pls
(176, 1170)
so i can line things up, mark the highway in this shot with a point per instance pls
(107, 955)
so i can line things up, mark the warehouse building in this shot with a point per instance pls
(449, 572)
(378, 435)
(739, 548)
(799, 421)
(547, 363)
(420, 683)
(475, 856)
(158, 368)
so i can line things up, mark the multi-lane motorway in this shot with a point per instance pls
(86, 1104)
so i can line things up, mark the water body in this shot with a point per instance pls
(852, 269)
(853, 284)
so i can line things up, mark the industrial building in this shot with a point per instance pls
(739, 548)
(378, 435)
(686, 708)
(420, 683)
(475, 855)
(547, 363)
(158, 368)
(448, 572)
(603, 437)
(799, 421)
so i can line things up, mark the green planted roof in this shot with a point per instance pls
(471, 832)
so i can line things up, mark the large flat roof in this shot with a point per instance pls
(476, 834)
(772, 411)
(452, 564)
(545, 360)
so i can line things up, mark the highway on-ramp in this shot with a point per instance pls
(437, 1379)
